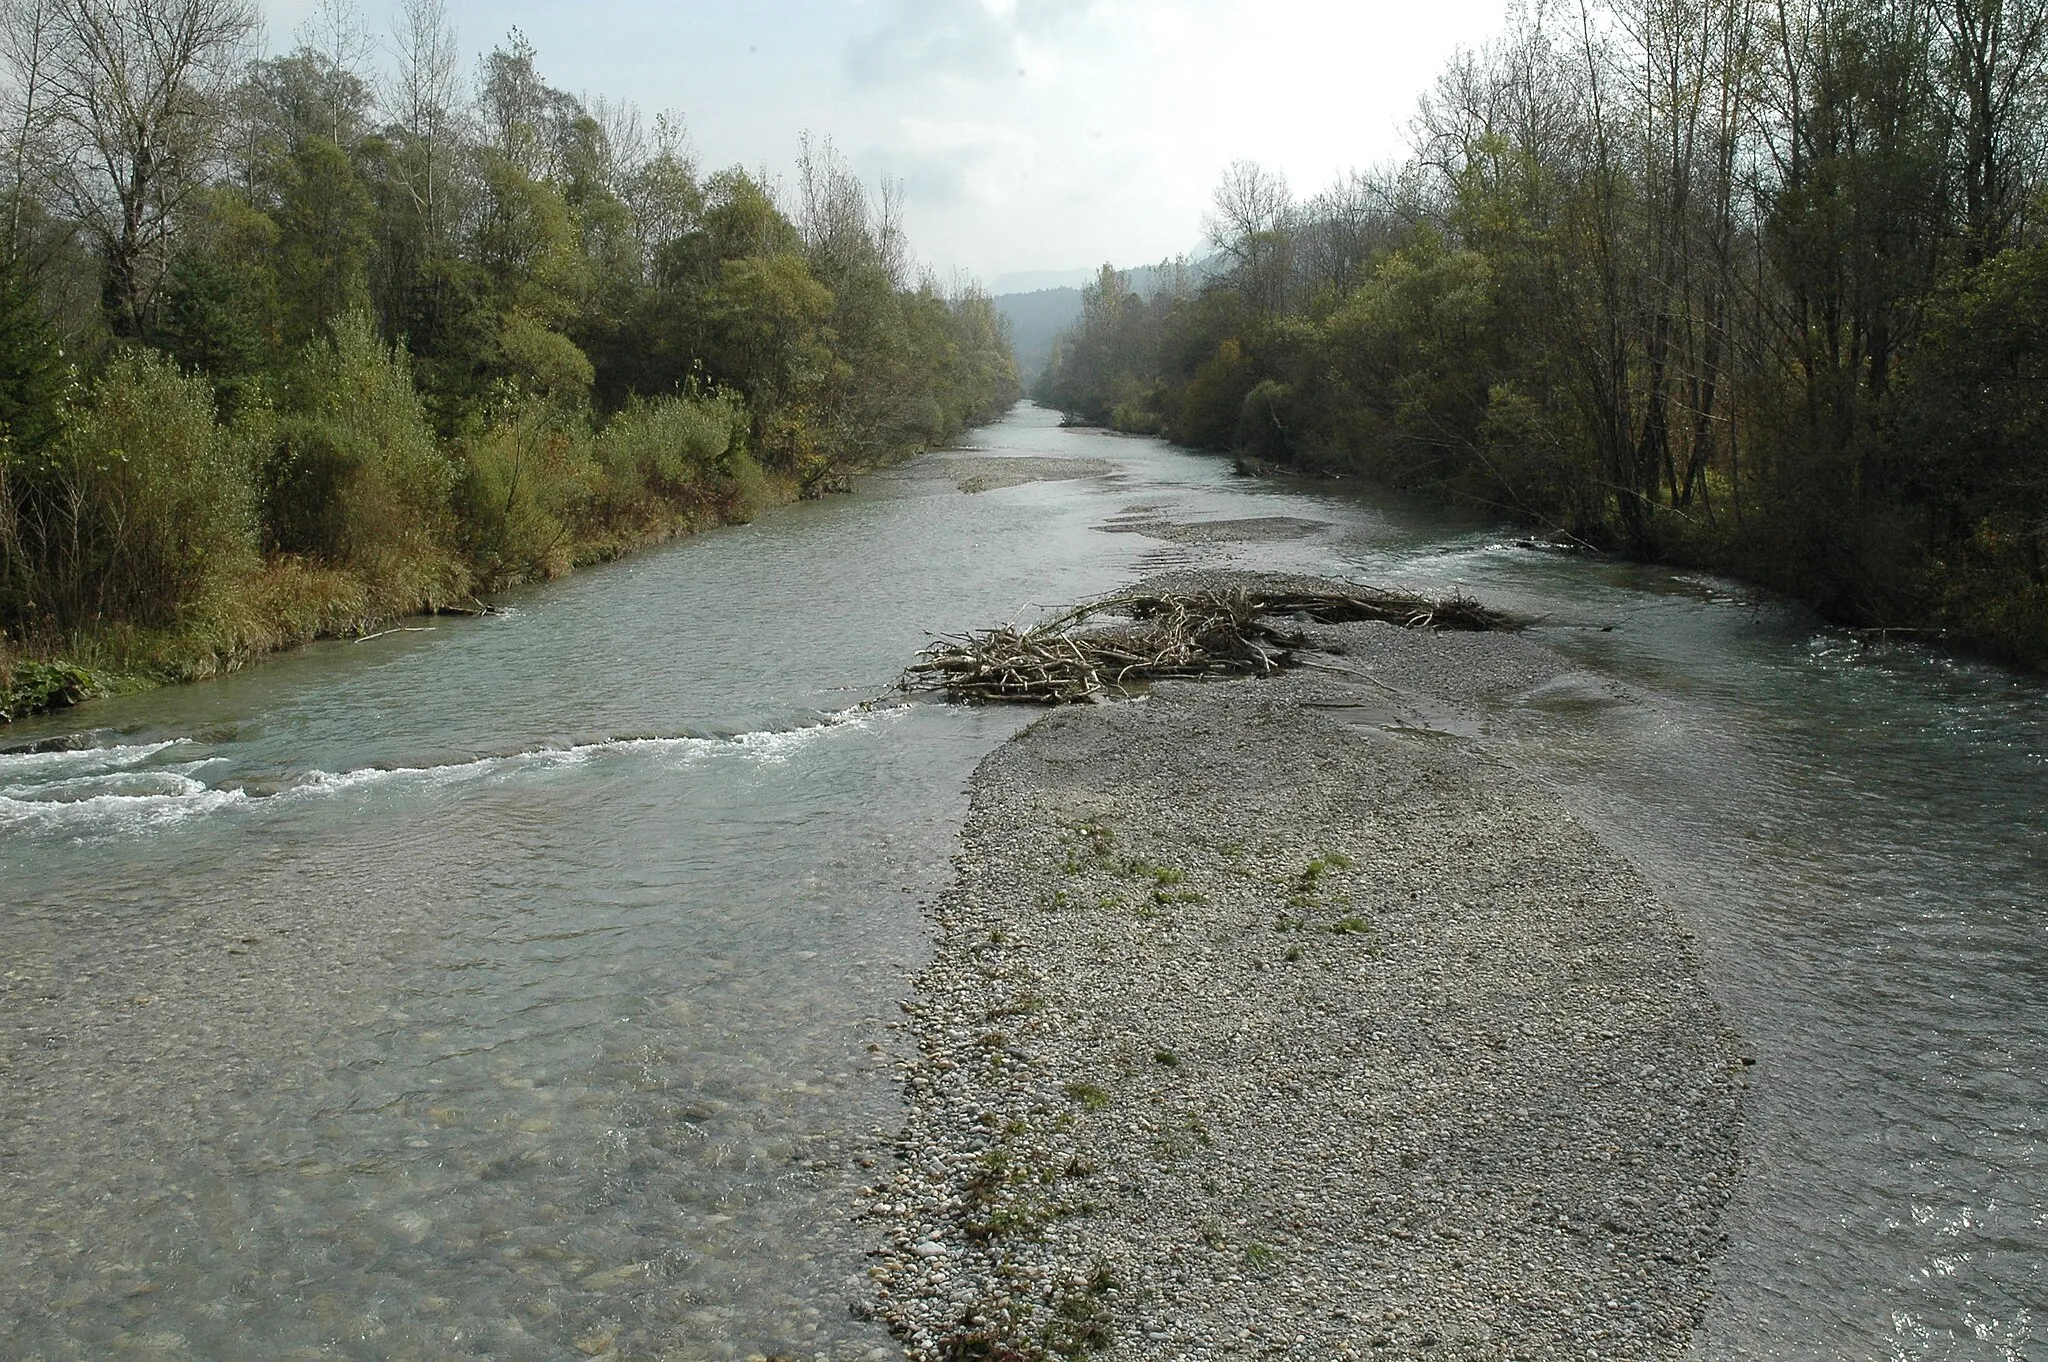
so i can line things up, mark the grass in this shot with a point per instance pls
(1015, 1191)
(1094, 849)
(286, 603)
(1024, 1005)
(1082, 1318)
(1312, 874)
(1088, 1096)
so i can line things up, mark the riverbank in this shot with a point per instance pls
(1278, 1018)
(288, 603)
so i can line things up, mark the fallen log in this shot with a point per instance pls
(1112, 647)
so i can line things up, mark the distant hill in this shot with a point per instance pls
(1036, 320)
(1050, 304)
(1039, 281)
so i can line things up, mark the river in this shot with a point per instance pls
(510, 986)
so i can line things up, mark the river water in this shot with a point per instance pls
(527, 985)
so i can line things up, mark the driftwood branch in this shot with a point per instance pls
(1111, 647)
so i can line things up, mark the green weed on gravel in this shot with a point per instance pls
(1088, 1096)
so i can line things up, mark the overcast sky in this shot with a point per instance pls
(1030, 134)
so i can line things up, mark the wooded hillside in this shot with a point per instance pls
(1761, 286)
(289, 344)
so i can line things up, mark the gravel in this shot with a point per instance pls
(988, 472)
(1254, 529)
(1279, 1018)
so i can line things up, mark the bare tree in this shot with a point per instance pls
(892, 242)
(26, 29)
(335, 35)
(423, 98)
(1341, 228)
(832, 213)
(1254, 210)
(136, 90)
(1996, 50)
(1250, 202)
(622, 135)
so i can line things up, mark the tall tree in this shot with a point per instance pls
(137, 90)
(1252, 210)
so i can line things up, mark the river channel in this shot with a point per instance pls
(526, 987)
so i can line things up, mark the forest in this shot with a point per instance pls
(291, 345)
(1759, 285)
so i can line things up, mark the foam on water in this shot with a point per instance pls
(112, 813)
(100, 791)
(113, 757)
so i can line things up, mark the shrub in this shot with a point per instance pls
(545, 363)
(140, 512)
(1264, 420)
(523, 481)
(672, 458)
(31, 687)
(355, 476)
(287, 602)
(668, 449)
(1214, 399)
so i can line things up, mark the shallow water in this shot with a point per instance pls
(492, 988)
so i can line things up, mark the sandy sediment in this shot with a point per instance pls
(1254, 529)
(986, 473)
(1279, 1018)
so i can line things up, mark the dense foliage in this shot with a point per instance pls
(1759, 286)
(288, 344)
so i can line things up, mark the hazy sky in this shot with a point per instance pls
(1030, 134)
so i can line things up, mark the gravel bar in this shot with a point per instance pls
(1282, 1018)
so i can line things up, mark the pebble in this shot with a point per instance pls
(1446, 1083)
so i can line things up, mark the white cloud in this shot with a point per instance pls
(1030, 134)
(963, 163)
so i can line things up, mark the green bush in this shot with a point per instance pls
(674, 458)
(544, 363)
(355, 476)
(670, 447)
(1264, 420)
(140, 512)
(524, 479)
(1213, 401)
(31, 687)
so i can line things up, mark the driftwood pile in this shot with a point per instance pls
(1116, 645)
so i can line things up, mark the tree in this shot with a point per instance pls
(1994, 66)
(33, 376)
(1253, 211)
(137, 91)
(325, 239)
(26, 30)
(423, 98)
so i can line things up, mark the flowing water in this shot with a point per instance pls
(527, 984)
